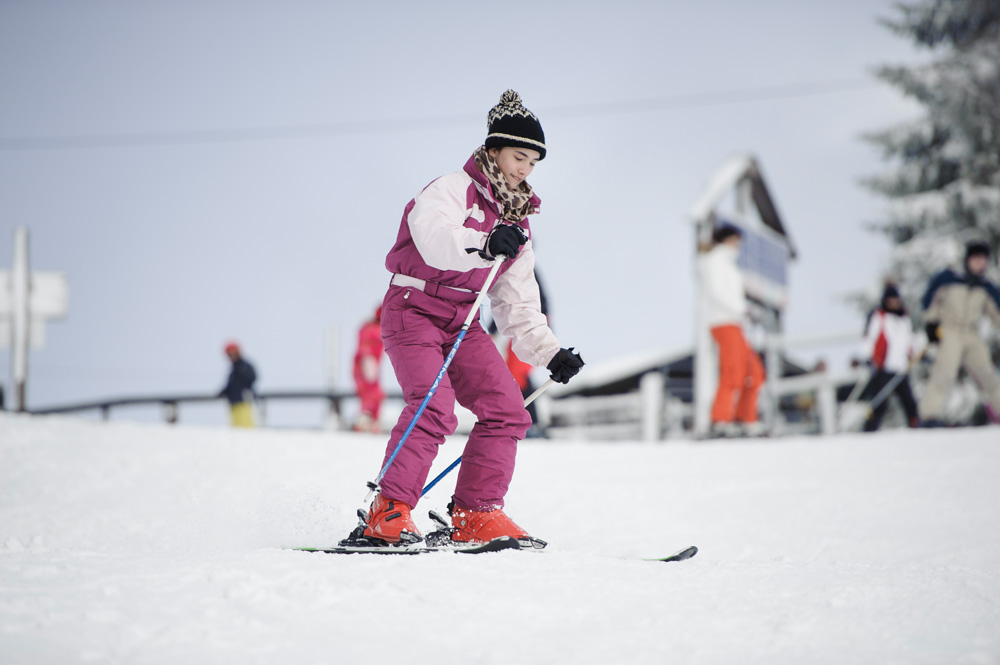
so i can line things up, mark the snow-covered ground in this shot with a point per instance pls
(129, 543)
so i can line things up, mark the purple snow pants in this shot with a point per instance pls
(419, 331)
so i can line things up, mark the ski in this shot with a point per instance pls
(440, 540)
(683, 555)
(495, 545)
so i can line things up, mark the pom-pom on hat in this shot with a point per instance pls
(510, 124)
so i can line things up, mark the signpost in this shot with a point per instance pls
(27, 300)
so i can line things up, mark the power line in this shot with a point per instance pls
(331, 129)
(718, 98)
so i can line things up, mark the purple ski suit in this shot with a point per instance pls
(435, 280)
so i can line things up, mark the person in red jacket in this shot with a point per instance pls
(888, 344)
(367, 373)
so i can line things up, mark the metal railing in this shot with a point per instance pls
(171, 403)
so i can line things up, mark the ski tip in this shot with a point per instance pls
(531, 543)
(683, 555)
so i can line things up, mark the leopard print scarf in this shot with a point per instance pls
(516, 203)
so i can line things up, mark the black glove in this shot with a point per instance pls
(505, 239)
(933, 329)
(565, 365)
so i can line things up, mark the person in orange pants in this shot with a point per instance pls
(741, 372)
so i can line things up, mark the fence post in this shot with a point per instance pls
(332, 421)
(651, 388)
(826, 398)
(170, 412)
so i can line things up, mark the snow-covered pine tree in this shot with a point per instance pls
(944, 188)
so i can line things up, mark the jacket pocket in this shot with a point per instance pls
(393, 312)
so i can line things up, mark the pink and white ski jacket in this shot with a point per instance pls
(455, 213)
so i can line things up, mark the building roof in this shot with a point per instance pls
(622, 375)
(736, 169)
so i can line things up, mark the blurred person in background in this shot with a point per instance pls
(888, 345)
(520, 370)
(954, 304)
(239, 388)
(741, 372)
(367, 373)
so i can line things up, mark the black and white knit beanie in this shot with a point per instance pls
(510, 124)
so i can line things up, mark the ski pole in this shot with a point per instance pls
(373, 485)
(531, 398)
(883, 394)
(859, 385)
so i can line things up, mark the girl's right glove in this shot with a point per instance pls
(565, 365)
(505, 239)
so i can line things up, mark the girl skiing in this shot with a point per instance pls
(449, 238)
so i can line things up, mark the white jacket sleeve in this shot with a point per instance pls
(437, 226)
(722, 288)
(517, 310)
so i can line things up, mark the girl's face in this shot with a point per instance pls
(515, 163)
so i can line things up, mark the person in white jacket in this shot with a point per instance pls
(741, 371)
(888, 345)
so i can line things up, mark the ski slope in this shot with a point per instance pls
(130, 543)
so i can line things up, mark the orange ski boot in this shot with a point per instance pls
(390, 521)
(471, 526)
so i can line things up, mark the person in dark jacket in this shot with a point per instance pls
(520, 370)
(239, 388)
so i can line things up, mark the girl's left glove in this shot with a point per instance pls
(565, 365)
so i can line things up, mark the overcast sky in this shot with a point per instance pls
(211, 170)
